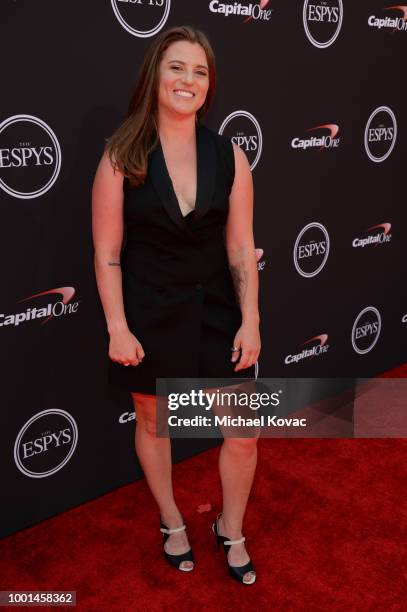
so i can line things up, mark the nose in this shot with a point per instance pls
(188, 76)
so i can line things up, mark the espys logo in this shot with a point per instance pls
(311, 249)
(244, 130)
(252, 11)
(30, 156)
(322, 143)
(142, 18)
(366, 330)
(322, 21)
(393, 22)
(45, 443)
(320, 348)
(48, 310)
(380, 134)
(376, 238)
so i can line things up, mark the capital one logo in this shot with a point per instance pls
(327, 140)
(320, 347)
(322, 21)
(366, 330)
(45, 311)
(380, 134)
(30, 156)
(244, 130)
(45, 443)
(382, 235)
(126, 417)
(252, 11)
(141, 18)
(311, 249)
(395, 22)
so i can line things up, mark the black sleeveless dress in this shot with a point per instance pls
(178, 293)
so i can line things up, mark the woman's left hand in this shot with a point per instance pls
(247, 339)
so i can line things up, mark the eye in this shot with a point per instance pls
(202, 72)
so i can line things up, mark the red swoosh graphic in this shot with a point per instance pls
(385, 226)
(262, 4)
(332, 127)
(66, 292)
(322, 339)
(399, 7)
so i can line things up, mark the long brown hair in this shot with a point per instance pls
(129, 146)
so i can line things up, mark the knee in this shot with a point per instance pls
(145, 414)
(241, 446)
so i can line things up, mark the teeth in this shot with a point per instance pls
(185, 94)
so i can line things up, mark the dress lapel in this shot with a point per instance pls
(206, 172)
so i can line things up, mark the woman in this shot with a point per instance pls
(181, 296)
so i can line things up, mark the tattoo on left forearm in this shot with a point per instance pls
(239, 277)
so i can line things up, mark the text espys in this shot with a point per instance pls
(329, 14)
(20, 156)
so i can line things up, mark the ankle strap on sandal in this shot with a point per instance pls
(175, 530)
(239, 541)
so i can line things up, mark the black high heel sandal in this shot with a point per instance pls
(236, 571)
(176, 560)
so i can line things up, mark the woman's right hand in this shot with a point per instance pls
(124, 348)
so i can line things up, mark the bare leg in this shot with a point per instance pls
(154, 455)
(237, 464)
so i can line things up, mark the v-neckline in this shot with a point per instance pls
(197, 144)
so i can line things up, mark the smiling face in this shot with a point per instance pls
(183, 78)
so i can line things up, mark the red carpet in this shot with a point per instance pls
(325, 527)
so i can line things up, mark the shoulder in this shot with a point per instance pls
(241, 161)
(108, 180)
(108, 167)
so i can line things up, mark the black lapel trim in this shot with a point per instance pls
(206, 173)
(163, 186)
